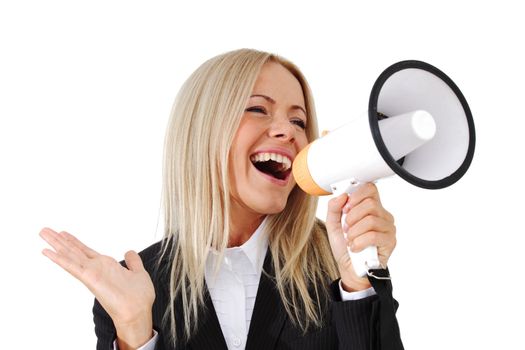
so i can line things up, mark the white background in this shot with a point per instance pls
(85, 93)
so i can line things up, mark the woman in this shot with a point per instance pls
(244, 263)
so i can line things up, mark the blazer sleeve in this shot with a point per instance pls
(104, 328)
(358, 322)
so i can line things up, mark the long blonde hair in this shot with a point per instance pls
(205, 116)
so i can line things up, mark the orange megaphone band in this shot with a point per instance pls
(302, 175)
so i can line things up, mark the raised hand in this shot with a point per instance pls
(127, 294)
(366, 223)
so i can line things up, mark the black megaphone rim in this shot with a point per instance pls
(376, 134)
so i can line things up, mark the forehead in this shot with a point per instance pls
(279, 83)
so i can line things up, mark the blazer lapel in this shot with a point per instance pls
(209, 334)
(267, 319)
(268, 313)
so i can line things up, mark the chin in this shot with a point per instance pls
(273, 208)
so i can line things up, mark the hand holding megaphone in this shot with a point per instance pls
(419, 127)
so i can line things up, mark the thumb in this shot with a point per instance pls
(133, 261)
(335, 209)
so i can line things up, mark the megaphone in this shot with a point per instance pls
(418, 126)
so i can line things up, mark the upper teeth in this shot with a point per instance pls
(264, 157)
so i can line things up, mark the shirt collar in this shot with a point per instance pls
(254, 248)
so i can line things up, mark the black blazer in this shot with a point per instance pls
(348, 325)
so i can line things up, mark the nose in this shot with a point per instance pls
(282, 129)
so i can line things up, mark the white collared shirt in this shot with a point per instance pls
(234, 287)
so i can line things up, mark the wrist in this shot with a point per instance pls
(134, 334)
(355, 284)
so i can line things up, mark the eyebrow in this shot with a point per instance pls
(272, 101)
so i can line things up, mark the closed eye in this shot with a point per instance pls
(256, 109)
(300, 123)
(259, 109)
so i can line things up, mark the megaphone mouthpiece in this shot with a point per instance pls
(423, 125)
(404, 133)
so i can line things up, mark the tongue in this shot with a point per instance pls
(272, 168)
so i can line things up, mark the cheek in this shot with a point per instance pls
(302, 142)
(238, 149)
(247, 134)
(238, 165)
(235, 181)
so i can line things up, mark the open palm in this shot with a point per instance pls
(125, 293)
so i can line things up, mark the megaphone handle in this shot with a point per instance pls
(367, 258)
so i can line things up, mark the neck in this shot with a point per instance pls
(243, 224)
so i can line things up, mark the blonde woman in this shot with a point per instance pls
(244, 263)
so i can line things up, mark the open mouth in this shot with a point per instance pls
(273, 164)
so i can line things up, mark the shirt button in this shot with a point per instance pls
(236, 341)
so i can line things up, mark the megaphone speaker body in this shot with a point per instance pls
(419, 126)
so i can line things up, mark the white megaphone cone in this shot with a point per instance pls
(402, 135)
(419, 126)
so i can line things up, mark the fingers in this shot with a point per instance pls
(64, 262)
(133, 261)
(67, 257)
(369, 223)
(364, 201)
(66, 254)
(367, 190)
(368, 206)
(366, 223)
(90, 253)
(373, 238)
(333, 215)
(53, 239)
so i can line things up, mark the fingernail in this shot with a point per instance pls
(345, 227)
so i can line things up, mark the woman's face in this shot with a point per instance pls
(271, 133)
